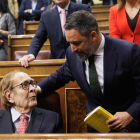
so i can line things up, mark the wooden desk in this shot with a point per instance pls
(38, 70)
(21, 43)
(78, 136)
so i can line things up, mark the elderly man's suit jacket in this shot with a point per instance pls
(50, 25)
(121, 79)
(42, 121)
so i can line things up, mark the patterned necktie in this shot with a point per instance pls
(22, 124)
(93, 78)
(63, 20)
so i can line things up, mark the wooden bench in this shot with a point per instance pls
(22, 43)
(39, 70)
(30, 27)
(78, 136)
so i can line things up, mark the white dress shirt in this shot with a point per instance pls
(15, 117)
(98, 60)
(34, 3)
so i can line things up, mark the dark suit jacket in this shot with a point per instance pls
(50, 25)
(1, 38)
(42, 121)
(27, 4)
(121, 78)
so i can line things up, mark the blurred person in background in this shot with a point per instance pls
(30, 10)
(7, 26)
(124, 20)
(13, 8)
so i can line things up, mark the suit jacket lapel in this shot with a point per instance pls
(71, 9)
(30, 4)
(36, 122)
(38, 4)
(57, 22)
(6, 125)
(81, 72)
(110, 62)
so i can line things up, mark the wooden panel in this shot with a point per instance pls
(22, 43)
(30, 27)
(95, 136)
(38, 70)
(75, 110)
(101, 15)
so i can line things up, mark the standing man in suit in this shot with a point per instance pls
(18, 94)
(107, 69)
(30, 10)
(50, 25)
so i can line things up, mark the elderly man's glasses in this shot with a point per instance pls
(25, 85)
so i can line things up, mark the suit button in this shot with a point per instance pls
(132, 35)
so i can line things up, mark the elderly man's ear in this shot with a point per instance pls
(9, 95)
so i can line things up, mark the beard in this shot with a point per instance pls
(85, 56)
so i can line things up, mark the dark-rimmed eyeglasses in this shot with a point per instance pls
(25, 85)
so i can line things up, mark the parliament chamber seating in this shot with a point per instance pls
(45, 54)
(21, 43)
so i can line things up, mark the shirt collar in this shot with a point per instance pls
(66, 8)
(15, 114)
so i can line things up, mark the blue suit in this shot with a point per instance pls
(121, 79)
(50, 25)
(42, 121)
(27, 4)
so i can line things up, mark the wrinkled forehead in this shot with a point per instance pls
(20, 77)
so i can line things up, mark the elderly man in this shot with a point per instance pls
(18, 94)
(106, 69)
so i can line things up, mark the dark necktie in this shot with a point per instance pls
(93, 78)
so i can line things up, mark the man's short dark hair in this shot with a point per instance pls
(82, 21)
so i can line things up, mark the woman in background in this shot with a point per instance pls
(124, 20)
(7, 26)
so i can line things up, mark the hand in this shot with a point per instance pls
(120, 121)
(1, 41)
(42, 8)
(27, 11)
(16, 15)
(25, 59)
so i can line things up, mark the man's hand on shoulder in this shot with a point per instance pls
(120, 121)
(25, 59)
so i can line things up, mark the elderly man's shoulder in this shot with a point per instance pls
(45, 112)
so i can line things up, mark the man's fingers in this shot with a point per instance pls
(25, 60)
